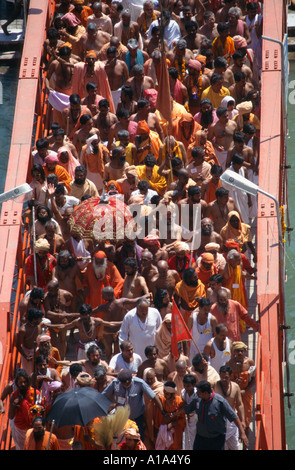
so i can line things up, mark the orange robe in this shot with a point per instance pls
(177, 129)
(94, 162)
(220, 50)
(210, 156)
(190, 295)
(204, 275)
(210, 193)
(179, 423)
(155, 143)
(149, 416)
(157, 183)
(87, 11)
(247, 397)
(112, 278)
(100, 77)
(81, 431)
(55, 354)
(235, 284)
(31, 444)
(62, 175)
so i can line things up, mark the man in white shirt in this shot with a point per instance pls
(143, 189)
(172, 31)
(139, 326)
(126, 359)
(63, 201)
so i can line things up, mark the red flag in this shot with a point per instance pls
(179, 330)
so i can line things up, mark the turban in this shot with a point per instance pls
(195, 64)
(71, 19)
(83, 379)
(171, 388)
(239, 345)
(181, 246)
(118, 187)
(142, 128)
(186, 117)
(91, 54)
(152, 240)
(168, 318)
(43, 338)
(244, 107)
(51, 158)
(65, 44)
(92, 138)
(239, 42)
(226, 100)
(151, 95)
(202, 59)
(132, 433)
(232, 244)
(131, 170)
(100, 255)
(42, 245)
(212, 246)
(208, 258)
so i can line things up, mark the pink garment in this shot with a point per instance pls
(72, 163)
(132, 129)
(164, 438)
(51, 158)
(197, 118)
(71, 20)
(195, 64)
(240, 28)
(100, 78)
(177, 92)
(151, 95)
(232, 317)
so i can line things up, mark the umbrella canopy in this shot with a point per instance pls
(78, 406)
(101, 218)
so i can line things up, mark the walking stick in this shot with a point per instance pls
(34, 241)
(51, 429)
(34, 371)
(187, 432)
(194, 235)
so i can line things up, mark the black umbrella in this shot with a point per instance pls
(78, 406)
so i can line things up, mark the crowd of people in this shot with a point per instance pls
(114, 299)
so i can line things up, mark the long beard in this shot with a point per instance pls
(206, 232)
(43, 220)
(207, 118)
(80, 181)
(100, 271)
(223, 308)
(193, 283)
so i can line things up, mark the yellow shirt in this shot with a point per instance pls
(128, 152)
(157, 183)
(215, 98)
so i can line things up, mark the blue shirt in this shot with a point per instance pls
(212, 415)
(132, 395)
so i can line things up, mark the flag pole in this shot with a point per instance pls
(162, 30)
(191, 338)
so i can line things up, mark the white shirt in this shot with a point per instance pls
(147, 197)
(117, 363)
(171, 33)
(138, 333)
(221, 357)
(71, 201)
